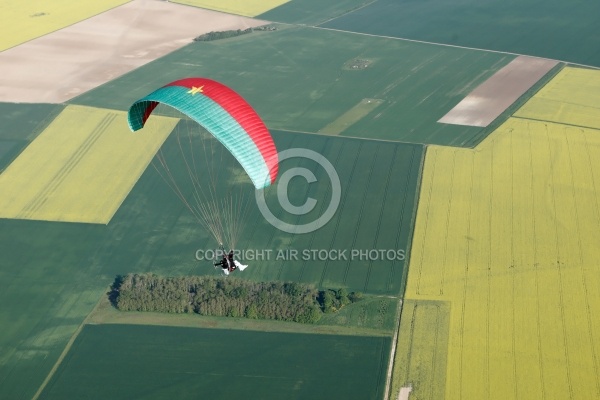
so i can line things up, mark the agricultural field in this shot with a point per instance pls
(85, 55)
(572, 98)
(19, 125)
(71, 171)
(422, 350)
(49, 286)
(502, 92)
(312, 12)
(372, 316)
(533, 182)
(352, 116)
(24, 21)
(416, 84)
(380, 173)
(507, 234)
(499, 223)
(8, 150)
(249, 8)
(170, 362)
(557, 29)
(25, 122)
(54, 273)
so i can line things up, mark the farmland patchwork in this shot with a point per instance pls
(507, 234)
(79, 169)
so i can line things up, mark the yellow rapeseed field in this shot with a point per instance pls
(422, 342)
(249, 8)
(21, 21)
(509, 235)
(572, 97)
(81, 167)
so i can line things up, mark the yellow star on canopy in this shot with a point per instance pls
(195, 90)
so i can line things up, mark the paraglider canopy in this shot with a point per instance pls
(212, 107)
(222, 112)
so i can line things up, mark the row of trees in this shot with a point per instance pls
(287, 301)
(207, 37)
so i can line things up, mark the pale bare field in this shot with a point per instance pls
(21, 21)
(63, 64)
(249, 8)
(80, 168)
(490, 99)
(508, 234)
(404, 393)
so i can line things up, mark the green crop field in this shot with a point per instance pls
(8, 150)
(340, 79)
(370, 173)
(20, 124)
(54, 273)
(381, 173)
(311, 12)
(187, 363)
(25, 121)
(48, 288)
(298, 79)
(558, 29)
(371, 316)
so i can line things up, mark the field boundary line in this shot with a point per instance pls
(426, 209)
(376, 239)
(537, 278)
(355, 137)
(511, 274)
(559, 270)
(435, 347)
(361, 212)
(489, 277)
(465, 279)
(340, 209)
(415, 143)
(66, 26)
(556, 123)
(583, 281)
(272, 236)
(411, 225)
(390, 369)
(452, 46)
(65, 351)
(313, 234)
(347, 12)
(594, 357)
(57, 180)
(447, 224)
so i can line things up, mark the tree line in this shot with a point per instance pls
(205, 295)
(207, 37)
